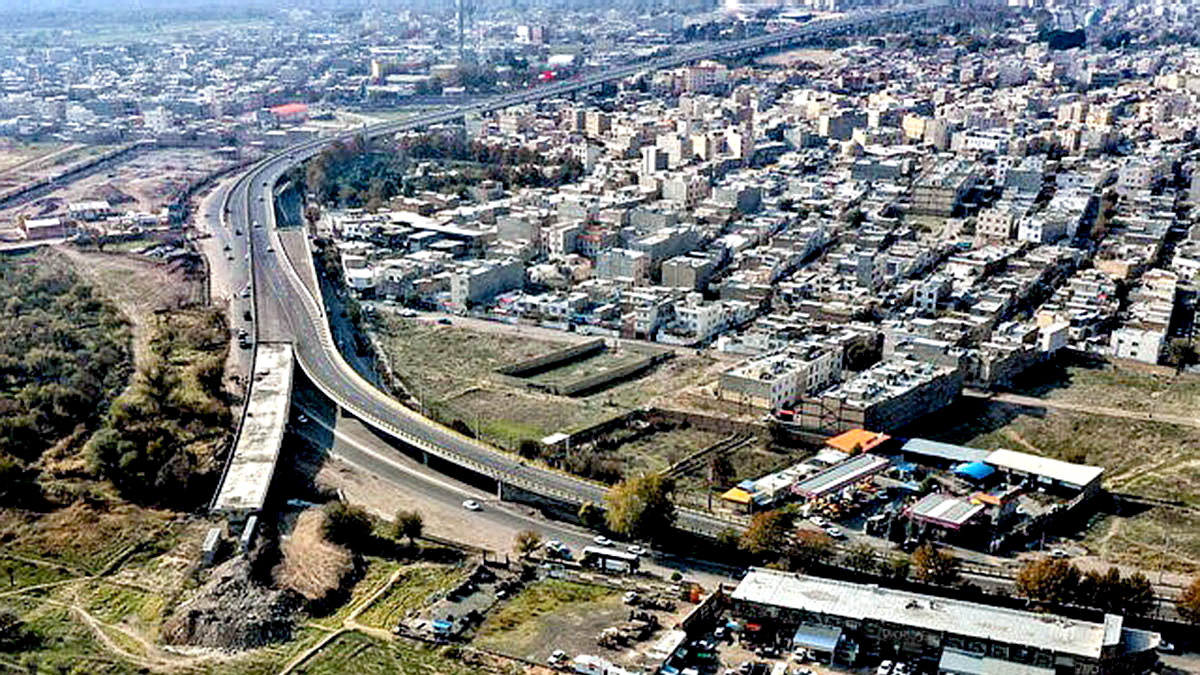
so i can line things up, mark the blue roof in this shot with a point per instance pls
(975, 470)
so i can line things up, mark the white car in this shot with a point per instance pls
(884, 668)
(819, 521)
(472, 505)
(302, 418)
(601, 540)
(835, 532)
(636, 550)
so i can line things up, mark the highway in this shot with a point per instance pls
(286, 310)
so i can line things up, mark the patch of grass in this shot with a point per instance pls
(464, 357)
(537, 599)
(62, 644)
(414, 589)
(81, 536)
(112, 603)
(16, 574)
(360, 654)
(1124, 388)
(376, 574)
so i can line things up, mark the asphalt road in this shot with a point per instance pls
(285, 309)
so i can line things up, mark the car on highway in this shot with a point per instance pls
(472, 505)
(601, 540)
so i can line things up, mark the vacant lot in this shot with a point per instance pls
(417, 585)
(1123, 388)
(362, 655)
(452, 369)
(593, 365)
(551, 615)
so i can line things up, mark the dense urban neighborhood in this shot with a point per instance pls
(754, 337)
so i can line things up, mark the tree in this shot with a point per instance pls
(1137, 595)
(932, 565)
(640, 507)
(1048, 580)
(809, 549)
(895, 567)
(768, 533)
(409, 524)
(1181, 353)
(529, 449)
(526, 542)
(12, 630)
(861, 558)
(591, 515)
(347, 525)
(728, 539)
(1188, 604)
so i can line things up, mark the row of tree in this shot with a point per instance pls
(65, 353)
(161, 437)
(1056, 582)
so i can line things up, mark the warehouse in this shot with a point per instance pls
(944, 635)
(1043, 472)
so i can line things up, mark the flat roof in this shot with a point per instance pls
(869, 602)
(947, 451)
(945, 510)
(840, 475)
(248, 477)
(959, 662)
(1063, 472)
(865, 440)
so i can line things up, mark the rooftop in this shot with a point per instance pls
(1055, 469)
(868, 602)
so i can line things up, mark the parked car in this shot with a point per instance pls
(884, 668)
(601, 540)
(302, 418)
(472, 505)
(636, 550)
(445, 321)
(835, 532)
(819, 521)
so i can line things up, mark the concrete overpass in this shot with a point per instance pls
(287, 310)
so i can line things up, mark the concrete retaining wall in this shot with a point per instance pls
(555, 359)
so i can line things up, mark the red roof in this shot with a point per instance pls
(290, 109)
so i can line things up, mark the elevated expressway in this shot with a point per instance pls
(286, 309)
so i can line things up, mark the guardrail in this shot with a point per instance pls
(513, 473)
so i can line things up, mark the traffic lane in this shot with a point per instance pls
(361, 448)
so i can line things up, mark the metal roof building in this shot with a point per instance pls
(840, 475)
(922, 626)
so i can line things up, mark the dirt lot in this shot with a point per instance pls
(1144, 458)
(460, 383)
(1128, 388)
(139, 286)
(144, 183)
(555, 614)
